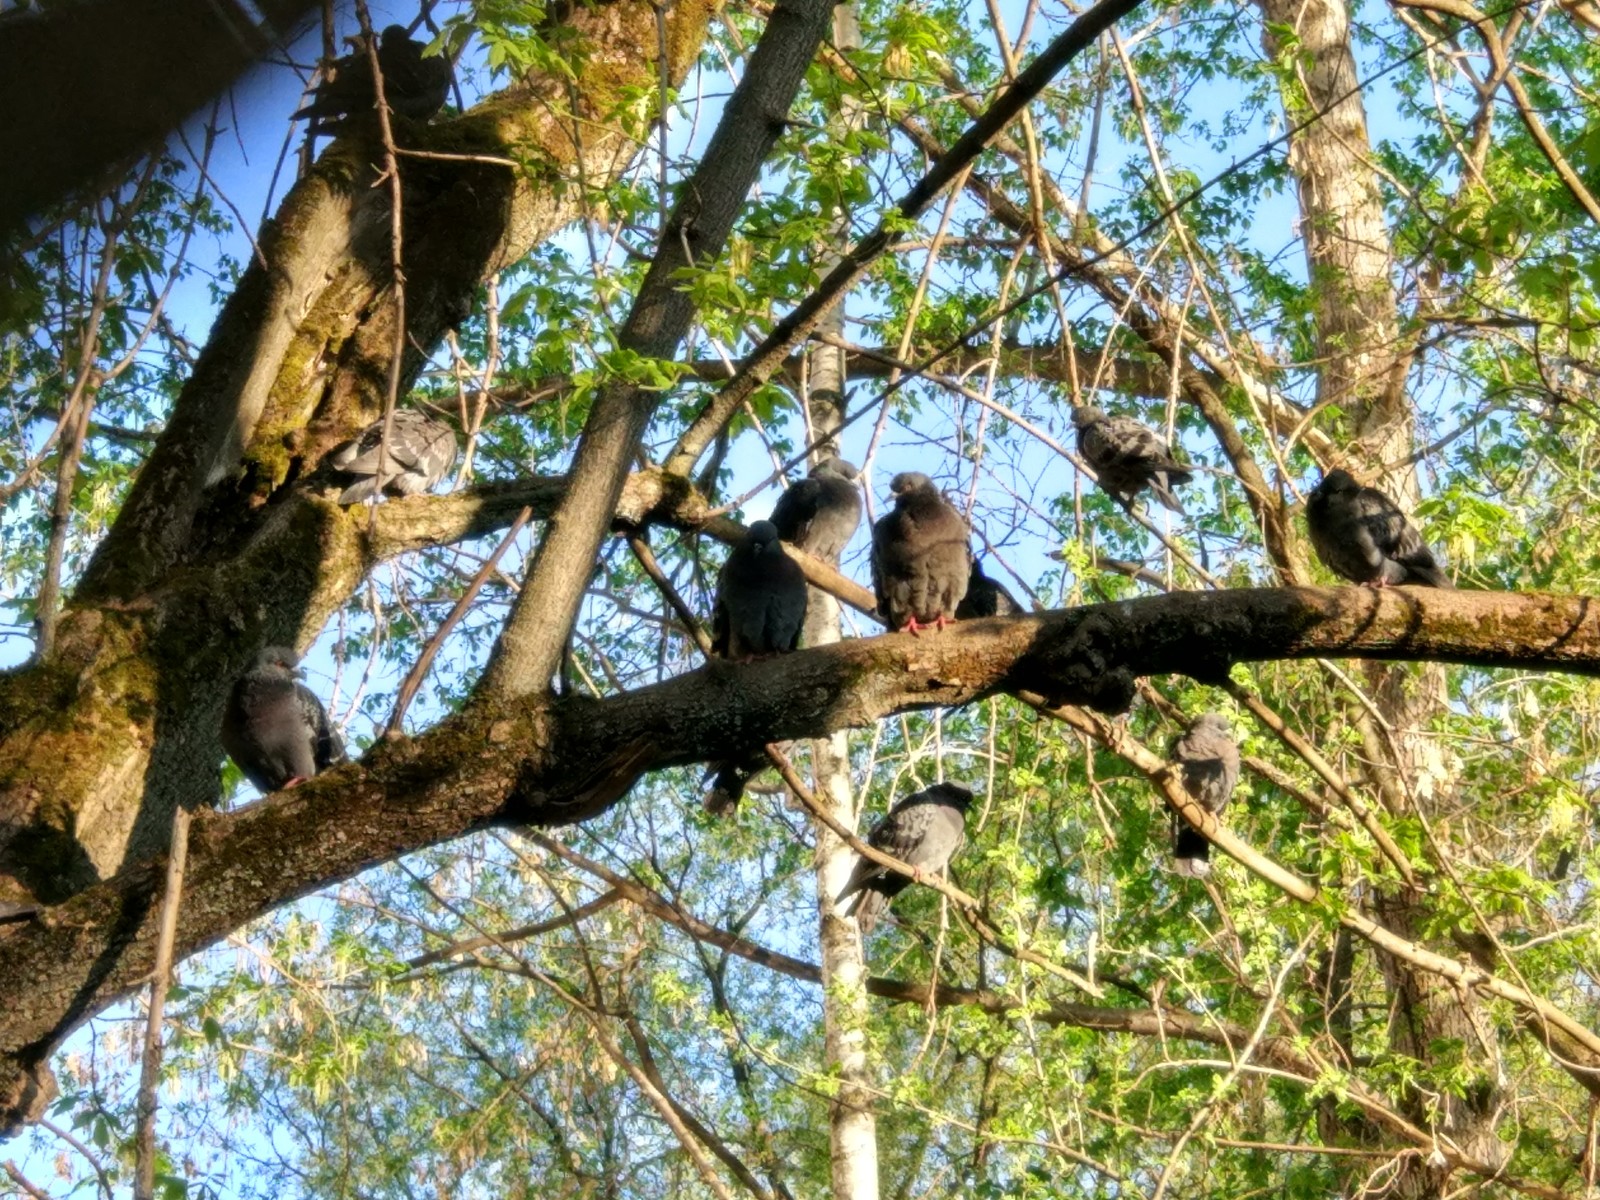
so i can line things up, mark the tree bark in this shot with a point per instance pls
(535, 760)
(216, 552)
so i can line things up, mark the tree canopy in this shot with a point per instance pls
(649, 264)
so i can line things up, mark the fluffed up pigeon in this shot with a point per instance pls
(820, 513)
(920, 558)
(1361, 534)
(421, 452)
(275, 728)
(414, 87)
(1127, 457)
(925, 830)
(761, 598)
(1208, 761)
(760, 607)
(986, 597)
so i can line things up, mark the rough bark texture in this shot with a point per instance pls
(549, 762)
(216, 553)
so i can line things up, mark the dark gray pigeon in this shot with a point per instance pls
(760, 607)
(275, 728)
(920, 558)
(1361, 534)
(414, 87)
(986, 597)
(925, 830)
(1128, 457)
(1208, 761)
(421, 452)
(820, 513)
(761, 598)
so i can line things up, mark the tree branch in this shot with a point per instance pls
(556, 761)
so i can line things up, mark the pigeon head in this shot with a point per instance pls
(1336, 481)
(953, 794)
(838, 468)
(907, 482)
(1086, 414)
(279, 660)
(393, 37)
(1211, 723)
(762, 537)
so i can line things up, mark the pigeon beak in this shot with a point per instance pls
(298, 672)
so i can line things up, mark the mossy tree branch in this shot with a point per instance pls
(542, 761)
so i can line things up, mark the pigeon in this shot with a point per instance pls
(1361, 534)
(986, 597)
(275, 728)
(1127, 456)
(820, 513)
(414, 87)
(421, 452)
(924, 830)
(760, 607)
(920, 559)
(1208, 762)
(761, 598)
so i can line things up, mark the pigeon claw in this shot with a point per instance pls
(292, 782)
(912, 627)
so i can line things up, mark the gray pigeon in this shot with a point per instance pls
(760, 607)
(1361, 534)
(420, 453)
(820, 513)
(275, 728)
(986, 597)
(1208, 761)
(1127, 457)
(920, 558)
(414, 87)
(761, 598)
(925, 830)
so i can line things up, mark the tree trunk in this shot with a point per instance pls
(852, 1124)
(1365, 362)
(213, 556)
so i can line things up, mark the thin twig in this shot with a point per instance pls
(161, 979)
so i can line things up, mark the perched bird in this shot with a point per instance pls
(275, 728)
(820, 513)
(414, 87)
(920, 558)
(924, 831)
(1208, 761)
(1127, 457)
(1361, 534)
(760, 607)
(761, 598)
(420, 453)
(986, 597)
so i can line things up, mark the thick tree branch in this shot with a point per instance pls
(550, 762)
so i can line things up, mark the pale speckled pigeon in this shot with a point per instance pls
(1128, 457)
(760, 608)
(414, 87)
(1208, 762)
(821, 512)
(1361, 534)
(920, 558)
(925, 830)
(420, 453)
(986, 597)
(275, 728)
